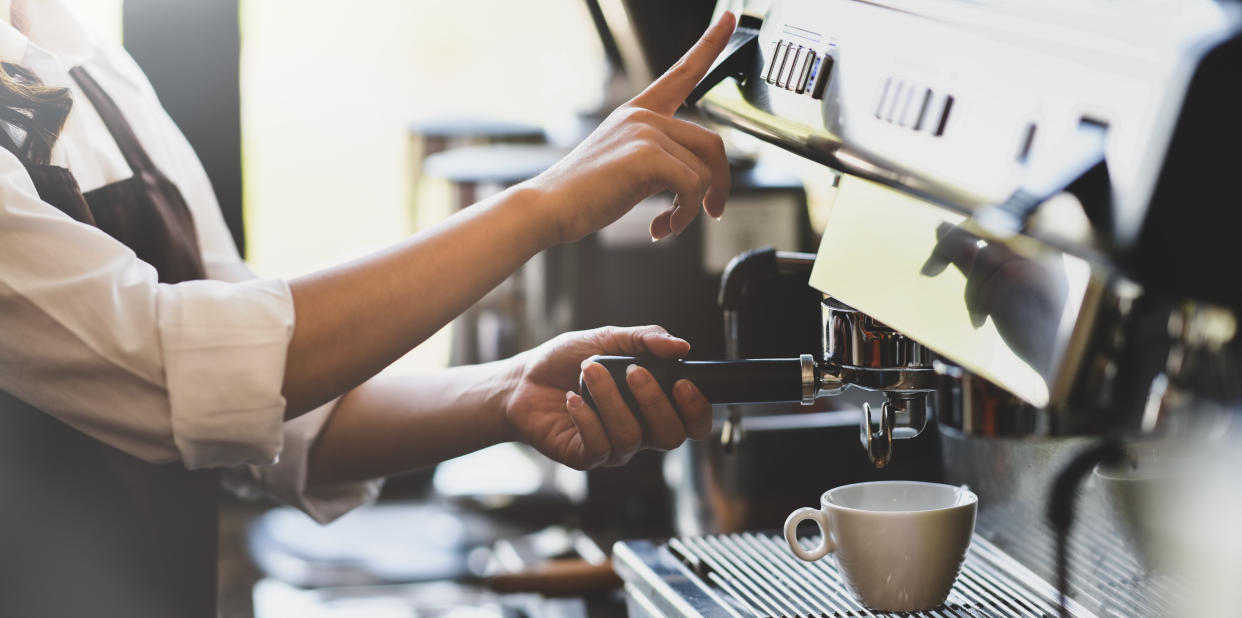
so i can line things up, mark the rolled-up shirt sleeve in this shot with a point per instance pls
(224, 350)
(286, 480)
(189, 371)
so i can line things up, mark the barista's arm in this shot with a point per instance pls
(397, 422)
(354, 320)
(400, 421)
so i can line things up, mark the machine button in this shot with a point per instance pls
(907, 115)
(1028, 138)
(944, 115)
(885, 92)
(804, 71)
(794, 62)
(784, 61)
(924, 103)
(787, 68)
(795, 68)
(820, 74)
(896, 95)
(774, 66)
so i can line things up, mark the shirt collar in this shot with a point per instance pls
(54, 30)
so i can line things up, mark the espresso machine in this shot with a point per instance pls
(1027, 260)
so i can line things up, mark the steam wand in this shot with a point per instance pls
(1062, 499)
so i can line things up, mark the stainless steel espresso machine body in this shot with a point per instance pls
(1030, 243)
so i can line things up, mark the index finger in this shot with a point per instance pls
(667, 92)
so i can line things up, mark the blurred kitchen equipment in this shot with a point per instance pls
(425, 556)
(643, 38)
(430, 136)
(395, 542)
(551, 562)
(276, 599)
(1035, 203)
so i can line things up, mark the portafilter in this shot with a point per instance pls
(858, 351)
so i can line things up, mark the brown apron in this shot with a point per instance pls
(86, 529)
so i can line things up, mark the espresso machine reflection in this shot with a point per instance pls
(1035, 201)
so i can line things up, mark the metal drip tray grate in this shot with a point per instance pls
(749, 574)
(1106, 576)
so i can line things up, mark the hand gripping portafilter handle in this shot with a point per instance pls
(765, 380)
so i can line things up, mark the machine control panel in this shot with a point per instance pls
(913, 106)
(799, 69)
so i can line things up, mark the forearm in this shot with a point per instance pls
(397, 422)
(356, 319)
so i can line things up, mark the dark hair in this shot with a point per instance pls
(39, 111)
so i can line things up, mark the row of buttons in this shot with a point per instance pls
(913, 107)
(799, 69)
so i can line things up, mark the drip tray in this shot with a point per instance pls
(754, 575)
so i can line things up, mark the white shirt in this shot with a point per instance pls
(189, 371)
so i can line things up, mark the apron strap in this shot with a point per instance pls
(6, 142)
(135, 155)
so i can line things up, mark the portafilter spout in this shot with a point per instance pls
(867, 354)
(903, 415)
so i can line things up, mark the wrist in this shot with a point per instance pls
(508, 378)
(538, 205)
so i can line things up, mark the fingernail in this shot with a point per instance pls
(684, 389)
(633, 375)
(718, 218)
(573, 400)
(586, 363)
(654, 239)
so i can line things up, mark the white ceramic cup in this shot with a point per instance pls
(899, 544)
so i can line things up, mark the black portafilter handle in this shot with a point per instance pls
(766, 380)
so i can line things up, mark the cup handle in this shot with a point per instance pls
(791, 533)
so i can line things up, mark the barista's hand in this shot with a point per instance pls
(543, 411)
(641, 150)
